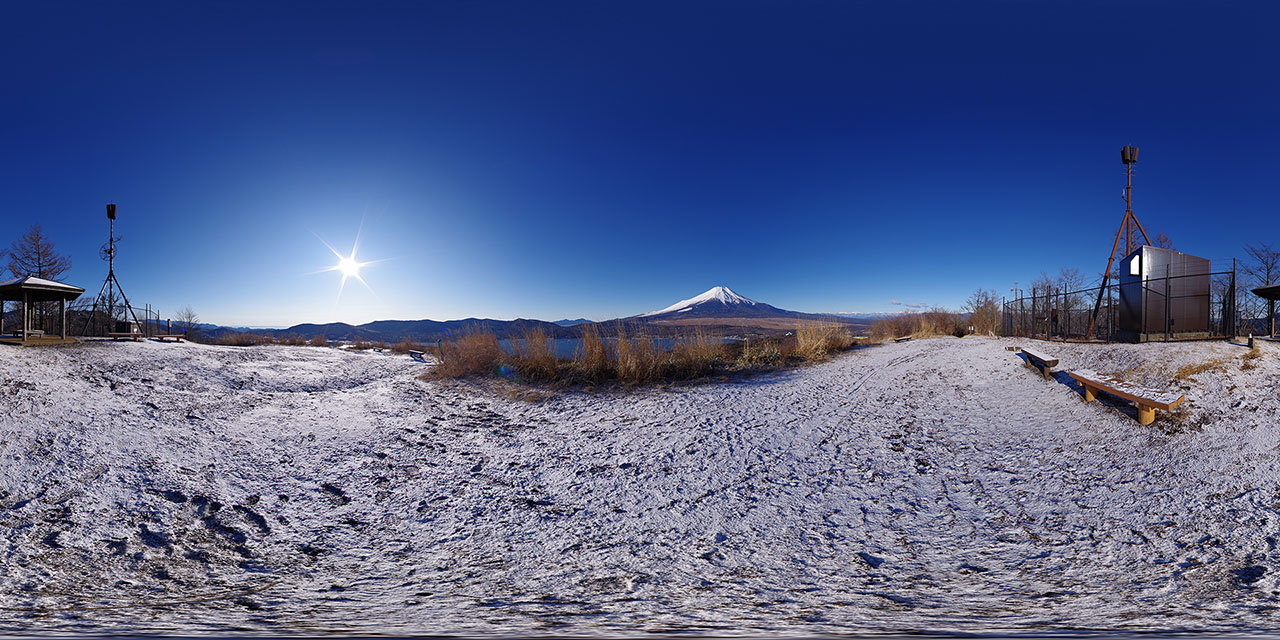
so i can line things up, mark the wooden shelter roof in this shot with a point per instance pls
(37, 290)
(1270, 292)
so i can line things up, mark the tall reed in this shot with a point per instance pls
(534, 355)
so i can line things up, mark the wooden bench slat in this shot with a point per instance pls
(1166, 400)
(1043, 359)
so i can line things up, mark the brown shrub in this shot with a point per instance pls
(318, 341)
(362, 344)
(591, 359)
(935, 322)
(242, 340)
(534, 356)
(406, 345)
(766, 352)
(293, 340)
(474, 353)
(637, 360)
(817, 340)
(692, 355)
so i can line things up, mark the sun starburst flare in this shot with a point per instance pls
(347, 265)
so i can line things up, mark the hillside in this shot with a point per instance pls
(933, 485)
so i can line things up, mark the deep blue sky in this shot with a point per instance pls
(600, 159)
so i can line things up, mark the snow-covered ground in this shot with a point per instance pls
(936, 484)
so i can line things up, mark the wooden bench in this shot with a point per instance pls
(125, 336)
(902, 339)
(1040, 361)
(1148, 400)
(420, 356)
(176, 337)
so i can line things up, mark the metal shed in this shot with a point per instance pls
(1164, 295)
(32, 289)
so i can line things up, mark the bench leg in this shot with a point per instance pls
(1047, 372)
(1146, 415)
(1090, 394)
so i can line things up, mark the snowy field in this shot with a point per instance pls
(936, 484)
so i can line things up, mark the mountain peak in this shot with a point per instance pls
(723, 295)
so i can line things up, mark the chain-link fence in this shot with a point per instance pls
(1145, 308)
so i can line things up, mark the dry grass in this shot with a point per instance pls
(242, 340)
(633, 357)
(476, 352)
(406, 345)
(1250, 360)
(534, 356)
(816, 340)
(693, 355)
(292, 340)
(768, 352)
(1188, 372)
(318, 341)
(591, 360)
(935, 322)
(362, 344)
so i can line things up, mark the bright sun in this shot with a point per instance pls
(349, 267)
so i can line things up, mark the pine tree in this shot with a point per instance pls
(34, 255)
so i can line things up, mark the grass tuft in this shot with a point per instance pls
(534, 356)
(817, 340)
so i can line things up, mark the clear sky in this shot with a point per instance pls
(600, 159)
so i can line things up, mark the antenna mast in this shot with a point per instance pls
(1129, 156)
(107, 295)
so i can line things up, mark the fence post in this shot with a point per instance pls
(1111, 316)
(1232, 293)
(1168, 305)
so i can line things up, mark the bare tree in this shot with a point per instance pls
(33, 255)
(1163, 241)
(1070, 282)
(188, 321)
(984, 311)
(1265, 270)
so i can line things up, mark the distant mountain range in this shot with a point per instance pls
(719, 310)
(722, 310)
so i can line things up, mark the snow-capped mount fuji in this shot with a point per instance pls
(719, 302)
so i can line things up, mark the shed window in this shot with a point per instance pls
(1135, 265)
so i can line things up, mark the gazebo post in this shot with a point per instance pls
(62, 307)
(26, 316)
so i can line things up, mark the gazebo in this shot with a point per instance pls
(1271, 293)
(32, 289)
